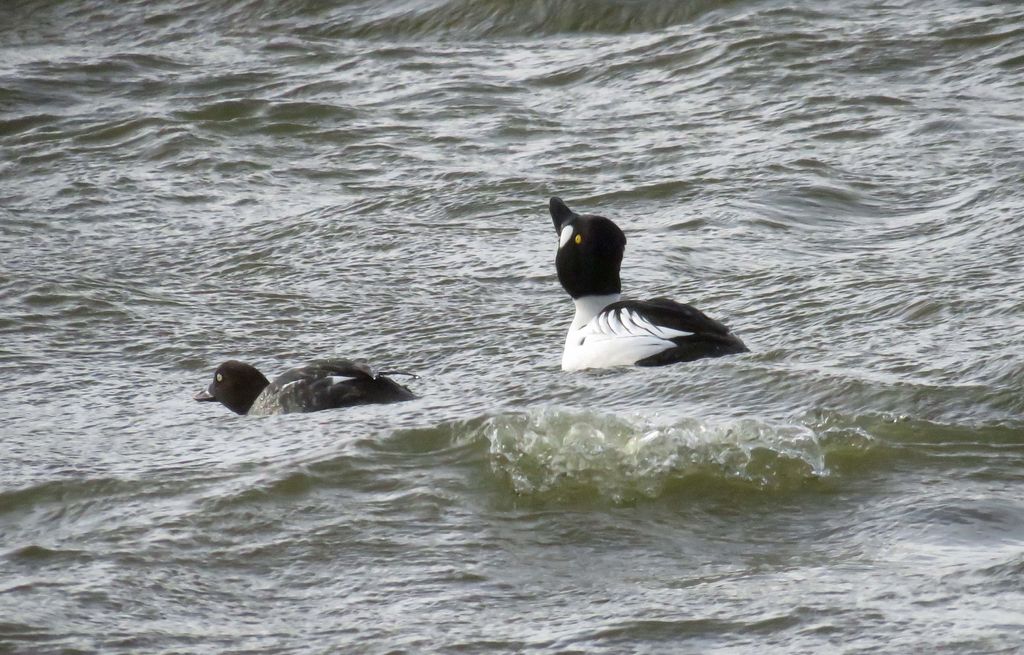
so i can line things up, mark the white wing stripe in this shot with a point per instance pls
(646, 325)
(615, 321)
(627, 323)
(641, 325)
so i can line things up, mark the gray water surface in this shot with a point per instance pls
(183, 183)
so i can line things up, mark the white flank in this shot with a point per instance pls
(598, 339)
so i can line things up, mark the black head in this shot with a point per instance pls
(589, 252)
(235, 385)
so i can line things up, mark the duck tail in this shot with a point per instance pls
(406, 373)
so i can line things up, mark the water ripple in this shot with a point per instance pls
(186, 182)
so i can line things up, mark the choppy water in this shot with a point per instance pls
(187, 182)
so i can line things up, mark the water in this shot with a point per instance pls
(184, 183)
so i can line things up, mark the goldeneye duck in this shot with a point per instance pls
(607, 331)
(322, 384)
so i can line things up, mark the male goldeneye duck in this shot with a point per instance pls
(607, 331)
(322, 384)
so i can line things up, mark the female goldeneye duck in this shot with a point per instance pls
(322, 384)
(607, 331)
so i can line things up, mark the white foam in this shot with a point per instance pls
(563, 452)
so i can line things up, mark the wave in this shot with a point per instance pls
(66, 493)
(490, 18)
(566, 456)
(985, 32)
(371, 18)
(561, 453)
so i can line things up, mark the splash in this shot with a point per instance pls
(559, 452)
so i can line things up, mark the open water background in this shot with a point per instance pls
(186, 182)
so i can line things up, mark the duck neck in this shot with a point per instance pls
(587, 307)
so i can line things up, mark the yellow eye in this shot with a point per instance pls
(578, 239)
(220, 378)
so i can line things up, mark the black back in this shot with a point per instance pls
(708, 338)
(317, 386)
(588, 262)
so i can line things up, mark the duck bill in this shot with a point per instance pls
(204, 396)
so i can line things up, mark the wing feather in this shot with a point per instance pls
(648, 333)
